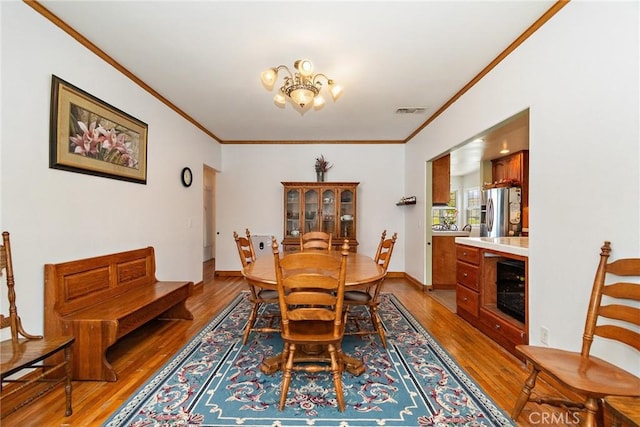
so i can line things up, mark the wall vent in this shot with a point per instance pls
(411, 110)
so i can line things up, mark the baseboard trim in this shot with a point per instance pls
(228, 273)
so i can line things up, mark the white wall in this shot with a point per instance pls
(56, 216)
(579, 76)
(250, 193)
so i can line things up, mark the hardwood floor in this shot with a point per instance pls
(138, 355)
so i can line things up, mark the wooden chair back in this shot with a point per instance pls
(385, 249)
(12, 320)
(245, 248)
(311, 288)
(612, 297)
(315, 240)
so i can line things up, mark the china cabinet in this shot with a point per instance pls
(320, 206)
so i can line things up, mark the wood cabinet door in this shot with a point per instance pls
(441, 188)
(443, 273)
(292, 221)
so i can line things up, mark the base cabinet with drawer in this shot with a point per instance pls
(477, 292)
(468, 282)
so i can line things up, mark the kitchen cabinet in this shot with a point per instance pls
(440, 182)
(443, 272)
(476, 295)
(320, 206)
(514, 167)
(467, 283)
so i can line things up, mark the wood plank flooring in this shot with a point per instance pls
(137, 356)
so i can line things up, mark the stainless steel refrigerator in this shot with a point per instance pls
(500, 212)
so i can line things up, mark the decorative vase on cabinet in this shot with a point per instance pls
(320, 206)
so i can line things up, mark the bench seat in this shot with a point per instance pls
(99, 300)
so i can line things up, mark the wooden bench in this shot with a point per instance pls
(99, 300)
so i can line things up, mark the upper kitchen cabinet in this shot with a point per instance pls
(441, 176)
(320, 206)
(514, 168)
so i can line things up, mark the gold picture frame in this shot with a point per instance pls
(92, 137)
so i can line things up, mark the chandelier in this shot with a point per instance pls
(302, 87)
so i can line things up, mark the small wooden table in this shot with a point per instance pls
(362, 272)
(624, 411)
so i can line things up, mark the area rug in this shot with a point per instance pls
(216, 381)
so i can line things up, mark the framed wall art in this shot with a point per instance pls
(92, 137)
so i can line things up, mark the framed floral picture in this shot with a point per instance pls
(92, 137)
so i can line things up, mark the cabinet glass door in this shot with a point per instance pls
(328, 211)
(347, 214)
(311, 209)
(293, 213)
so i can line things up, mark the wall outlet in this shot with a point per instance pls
(544, 335)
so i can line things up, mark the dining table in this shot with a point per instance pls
(362, 273)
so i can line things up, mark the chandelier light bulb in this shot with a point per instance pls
(302, 97)
(304, 66)
(279, 100)
(268, 77)
(318, 102)
(335, 90)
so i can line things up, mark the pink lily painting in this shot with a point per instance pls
(98, 138)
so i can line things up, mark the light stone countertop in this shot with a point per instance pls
(510, 245)
(450, 233)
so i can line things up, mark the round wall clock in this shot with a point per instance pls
(187, 177)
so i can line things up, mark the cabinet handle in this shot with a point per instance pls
(464, 274)
(497, 326)
(465, 299)
(464, 254)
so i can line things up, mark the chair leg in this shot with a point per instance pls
(377, 325)
(593, 414)
(286, 375)
(523, 398)
(337, 376)
(67, 380)
(250, 322)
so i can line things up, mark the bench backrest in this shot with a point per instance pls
(75, 285)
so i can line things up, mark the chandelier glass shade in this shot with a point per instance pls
(301, 87)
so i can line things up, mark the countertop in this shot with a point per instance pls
(510, 245)
(451, 233)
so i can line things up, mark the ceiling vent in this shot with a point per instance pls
(411, 110)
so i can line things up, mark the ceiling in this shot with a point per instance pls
(205, 58)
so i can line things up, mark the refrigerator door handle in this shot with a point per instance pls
(490, 215)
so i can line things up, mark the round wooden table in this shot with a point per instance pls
(362, 272)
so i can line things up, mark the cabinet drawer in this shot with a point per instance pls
(468, 254)
(467, 300)
(504, 332)
(467, 274)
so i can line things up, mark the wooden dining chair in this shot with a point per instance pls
(311, 295)
(24, 364)
(370, 297)
(614, 296)
(315, 240)
(257, 295)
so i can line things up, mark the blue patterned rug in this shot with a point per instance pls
(215, 381)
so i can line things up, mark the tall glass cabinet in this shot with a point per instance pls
(320, 206)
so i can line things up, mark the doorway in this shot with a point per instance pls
(209, 223)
